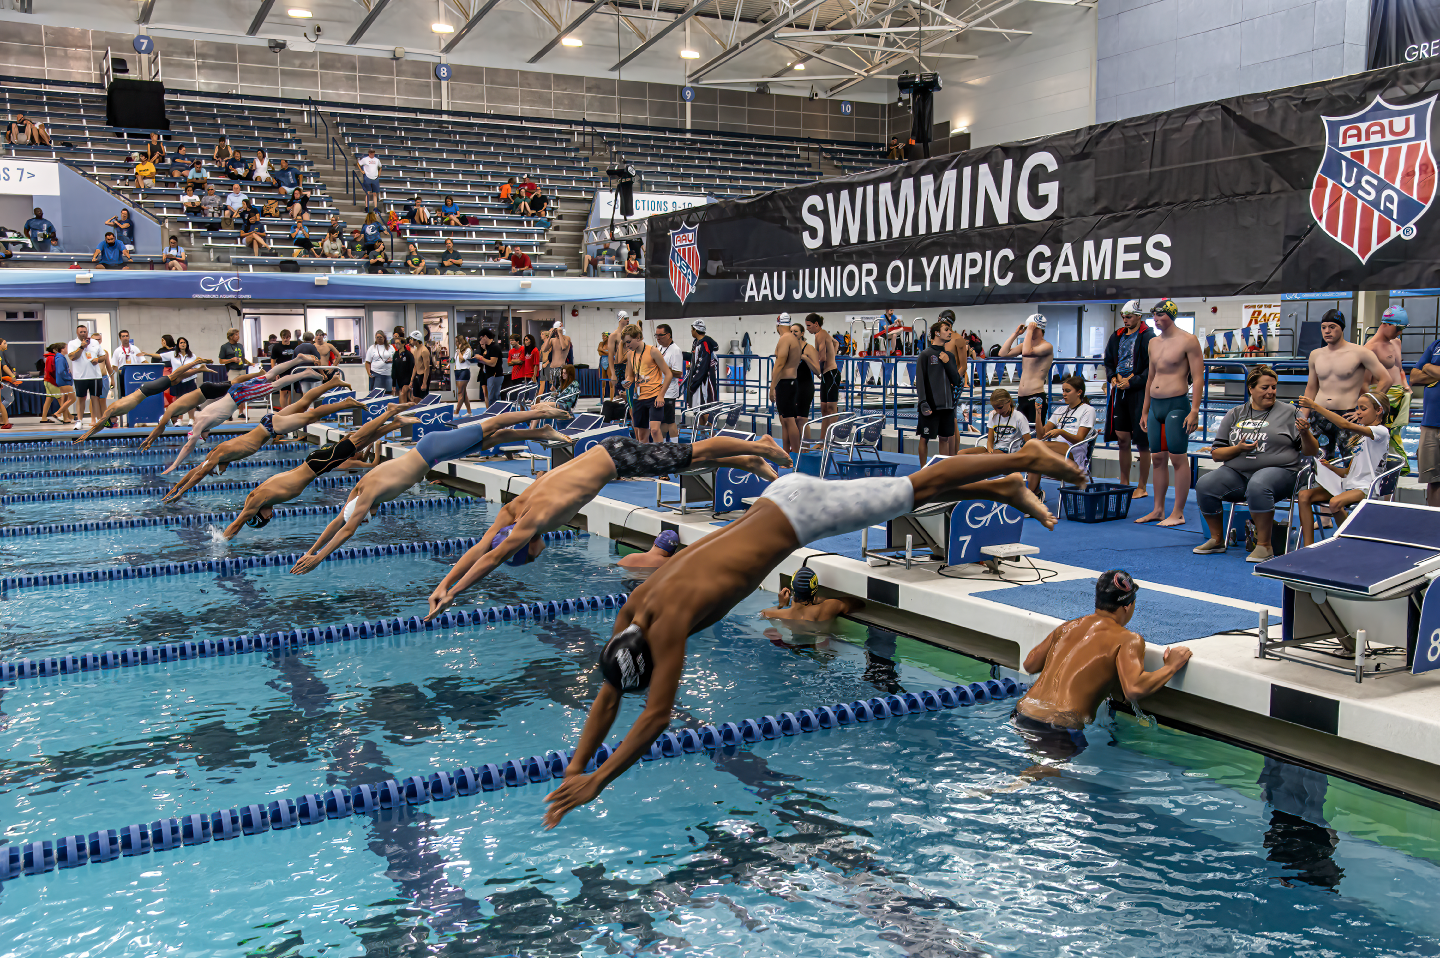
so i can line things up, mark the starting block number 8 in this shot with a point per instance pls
(1427, 638)
(1433, 653)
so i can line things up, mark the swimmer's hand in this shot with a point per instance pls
(576, 791)
(1192, 422)
(784, 598)
(440, 600)
(305, 564)
(1177, 656)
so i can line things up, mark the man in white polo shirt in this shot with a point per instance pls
(87, 365)
(126, 353)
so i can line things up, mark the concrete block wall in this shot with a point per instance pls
(1154, 55)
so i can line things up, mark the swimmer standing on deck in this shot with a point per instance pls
(1080, 662)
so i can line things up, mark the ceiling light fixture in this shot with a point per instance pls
(689, 54)
(572, 42)
(799, 66)
(441, 28)
(299, 13)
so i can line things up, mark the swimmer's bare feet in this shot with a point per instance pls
(1012, 491)
(772, 452)
(1157, 513)
(351, 403)
(549, 411)
(1047, 462)
(550, 434)
(405, 420)
(1174, 519)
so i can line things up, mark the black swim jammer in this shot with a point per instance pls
(1053, 741)
(329, 456)
(634, 459)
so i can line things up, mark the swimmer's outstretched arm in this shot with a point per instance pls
(667, 646)
(176, 409)
(478, 562)
(254, 503)
(334, 535)
(192, 477)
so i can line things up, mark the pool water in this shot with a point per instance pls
(917, 835)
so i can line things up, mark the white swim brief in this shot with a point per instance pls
(819, 508)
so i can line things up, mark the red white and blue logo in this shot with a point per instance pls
(1377, 177)
(684, 261)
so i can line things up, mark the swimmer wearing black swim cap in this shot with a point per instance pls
(704, 581)
(1081, 661)
(800, 602)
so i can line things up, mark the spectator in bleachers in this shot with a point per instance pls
(896, 151)
(236, 167)
(299, 202)
(377, 260)
(372, 230)
(190, 204)
(23, 131)
(377, 363)
(144, 174)
(450, 261)
(502, 251)
(235, 201)
(528, 188)
(332, 247)
(197, 176)
(416, 213)
(180, 164)
(111, 253)
(508, 195)
(450, 212)
(537, 206)
(222, 153)
(259, 168)
(211, 204)
(357, 245)
(369, 166)
(252, 229)
(174, 256)
(414, 262)
(40, 231)
(154, 150)
(286, 177)
(632, 265)
(520, 264)
(337, 224)
(300, 237)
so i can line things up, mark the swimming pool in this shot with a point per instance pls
(899, 836)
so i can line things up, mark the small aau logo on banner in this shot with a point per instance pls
(684, 261)
(1378, 175)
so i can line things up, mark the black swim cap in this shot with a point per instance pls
(1333, 316)
(626, 662)
(802, 586)
(948, 315)
(1114, 589)
(259, 522)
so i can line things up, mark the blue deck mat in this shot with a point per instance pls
(1162, 618)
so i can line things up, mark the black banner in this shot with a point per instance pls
(1322, 187)
(1402, 31)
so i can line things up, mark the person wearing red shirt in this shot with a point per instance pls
(519, 261)
(532, 359)
(515, 360)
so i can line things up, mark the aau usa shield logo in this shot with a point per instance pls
(1377, 177)
(684, 261)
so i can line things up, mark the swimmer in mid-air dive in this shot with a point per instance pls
(699, 587)
(339, 455)
(252, 386)
(134, 398)
(388, 480)
(516, 537)
(272, 426)
(800, 602)
(1080, 663)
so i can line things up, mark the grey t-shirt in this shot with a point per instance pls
(1273, 430)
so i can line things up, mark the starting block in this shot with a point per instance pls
(725, 490)
(1365, 581)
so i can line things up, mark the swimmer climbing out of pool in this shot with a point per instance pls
(701, 585)
(517, 535)
(255, 384)
(340, 455)
(800, 601)
(388, 480)
(1080, 662)
(135, 397)
(272, 426)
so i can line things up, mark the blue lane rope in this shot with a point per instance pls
(310, 809)
(132, 470)
(75, 457)
(174, 439)
(230, 566)
(322, 482)
(201, 519)
(295, 638)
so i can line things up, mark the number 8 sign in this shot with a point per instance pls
(1427, 643)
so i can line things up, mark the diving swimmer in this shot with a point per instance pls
(697, 589)
(1080, 662)
(134, 398)
(296, 416)
(388, 480)
(339, 455)
(553, 500)
(252, 385)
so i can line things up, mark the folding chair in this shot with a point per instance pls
(855, 437)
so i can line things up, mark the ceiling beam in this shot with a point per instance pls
(260, 16)
(146, 9)
(693, 9)
(375, 8)
(883, 14)
(460, 34)
(756, 38)
(569, 28)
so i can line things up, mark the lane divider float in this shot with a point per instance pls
(75, 457)
(131, 470)
(322, 482)
(311, 809)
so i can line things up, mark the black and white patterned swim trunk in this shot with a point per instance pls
(634, 459)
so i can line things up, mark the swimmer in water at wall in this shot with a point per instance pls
(552, 501)
(393, 477)
(698, 588)
(1080, 663)
(800, 601)
(656, 556)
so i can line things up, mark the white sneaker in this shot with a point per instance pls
(80, 425)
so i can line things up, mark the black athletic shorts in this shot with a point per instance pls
(90, 387)
(329, 456)
(830, 386)
(180, 389)
(153, 387)
(669, 414)
(417, 386)
(1035, 408)
(1054, 742)
(939, 424)
(643, 412)
(634, 459)
(791, 401)
(1126, 409)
